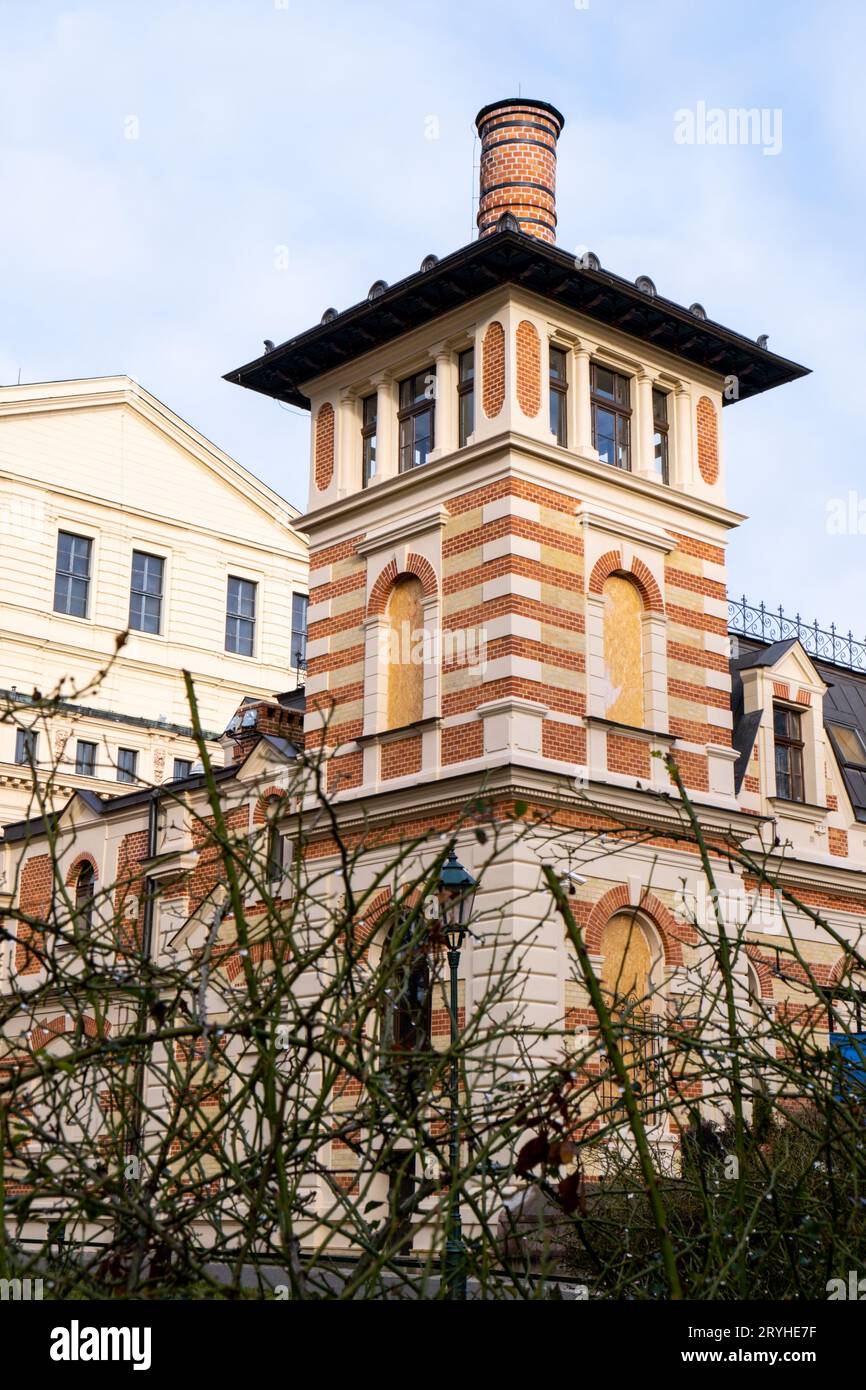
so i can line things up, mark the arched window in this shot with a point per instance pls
(84, 891)
(623, 652)
(628, 960)
(407, 1022)
(405, 652)
(275, 841)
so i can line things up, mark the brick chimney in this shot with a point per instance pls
(518, 165)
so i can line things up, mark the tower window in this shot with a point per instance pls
(466, 395)
(788, 736)
(369, 424)
(416, 417)
(241, 616)
(611, 416)
(660, 433)
(559, 395)
(72, 575)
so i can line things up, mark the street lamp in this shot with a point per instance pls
(456, 891)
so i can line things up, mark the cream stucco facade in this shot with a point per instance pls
(104, 460)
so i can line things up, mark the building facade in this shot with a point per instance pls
(118, 517)
(518, 522)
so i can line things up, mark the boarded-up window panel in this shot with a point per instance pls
(623, 652)
(406, 653)
(626, 960)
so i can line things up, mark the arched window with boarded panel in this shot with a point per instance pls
(630, 958)
(405, 652)
(623, 652)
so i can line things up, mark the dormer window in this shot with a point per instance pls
(370, 418)
(416, 417)
(466, 395)
(559, 395)
(849, 745)
(660, 434)
(611, 416)
(788, 738)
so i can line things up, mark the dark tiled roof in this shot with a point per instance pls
(508, 257)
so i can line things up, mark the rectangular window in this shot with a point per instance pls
(26, 746)
(559, 395)
(369, 426)
(416, 417)
(466, 396)
(660, 433)
(182, 768)
(145, 592)
(72, 575)
(298, 656)
(85, 758)
(849, 745)
(127, 762)
(787, 731)
(611, 416)
(241, 616)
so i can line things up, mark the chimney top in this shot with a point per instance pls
(518, 165)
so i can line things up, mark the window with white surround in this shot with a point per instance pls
(298, 656)
(241, 616)
(145, 592)
(72, 574)
(127, 764)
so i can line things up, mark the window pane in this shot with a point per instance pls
(466, 363)
(604, 433)
(467, 416)
(557, 364)
(660, 407)
(850, 745)
(660, 454)
(240, 616)
(622, 454)
(370, 407)
(621, 384)
(603, 382)
(182, 768)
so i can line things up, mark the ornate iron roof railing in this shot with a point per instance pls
(771, 625)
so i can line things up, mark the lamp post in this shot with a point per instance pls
(456, 890)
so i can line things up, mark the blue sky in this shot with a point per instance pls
(282, 163)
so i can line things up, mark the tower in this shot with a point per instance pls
(517, 520)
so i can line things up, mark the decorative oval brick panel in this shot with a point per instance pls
(528, 368)
(493, 367)
(324, 446)
(708, 441)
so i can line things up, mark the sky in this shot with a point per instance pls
(179, 181)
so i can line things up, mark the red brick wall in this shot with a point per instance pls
(528, 368)
(462, 741)
(493, 369)
(401, 757)
(34, 900)
(518, 167)
(708, 440)
(324, 446)
(629, 756)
